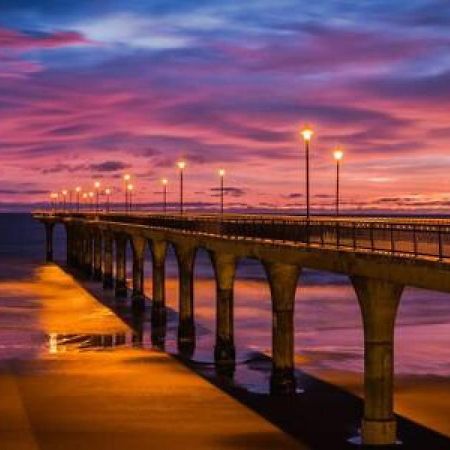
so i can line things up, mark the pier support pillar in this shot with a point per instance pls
(186, 326)
(97, 256)
(283, 280)
(138, 297)
(49, 226)
(158, 316)
(88, 249)
(107, 262)
(378, 301)
(69, 245)
(225, 271)
(121, 264)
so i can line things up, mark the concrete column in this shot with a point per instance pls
(378, 301)
(283, 280)
(69, 245)
(225, 271)
(88, 254)
(107, 262)
(186, 326)
(97, 256)
(121, 263)
(158, 316)
(49, 241)
(138, 297)
(75, 242)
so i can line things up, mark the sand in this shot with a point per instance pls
(67, 396)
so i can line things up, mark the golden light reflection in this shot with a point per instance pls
(53, 343)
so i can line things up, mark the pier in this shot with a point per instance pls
(380, 256)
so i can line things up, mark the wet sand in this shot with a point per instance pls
(424, 400)
(63, 394)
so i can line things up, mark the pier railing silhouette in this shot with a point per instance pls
(380, 256)
(400, 236)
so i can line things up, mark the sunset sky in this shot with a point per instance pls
(93, 89)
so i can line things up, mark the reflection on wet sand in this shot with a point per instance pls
(89, 386)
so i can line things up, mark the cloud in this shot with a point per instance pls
(228, 190)
(20, 40)
(109, 166)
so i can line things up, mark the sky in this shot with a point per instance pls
(92, 90)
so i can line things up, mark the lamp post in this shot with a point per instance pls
(126, 180)
(181, 165)
(221, 175)
(130, 188)
(108, 194)
(307, 135)
(91, 201)
(97, 195)
(64, 194)
(53, 197)
(164, 183)
(78, 190)
(338, 155)
(85, 200)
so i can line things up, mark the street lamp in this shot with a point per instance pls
(307, 134)
(78, 190)
(181, 165)
(108, 194)
(221, 175)
(126, 180)
(164, 182)
(91, 200)
(53, 197)
(338, 155)
(130, 188)
(64, 193)
(97, 194)
(85, 199)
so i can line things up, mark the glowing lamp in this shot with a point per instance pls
(307, 133)
(338, 154)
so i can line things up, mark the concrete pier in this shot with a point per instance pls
(378, 279)
(121, 263)
(379, 301)
(138, 297)
(108, 282)
(186, 327)
(283, 283)
(97, 249)
(225, 271)
(49, 226)
(88, 250)
(158, 314)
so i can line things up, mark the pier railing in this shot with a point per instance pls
(396, 236)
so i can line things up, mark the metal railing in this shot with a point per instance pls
(397, 236)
